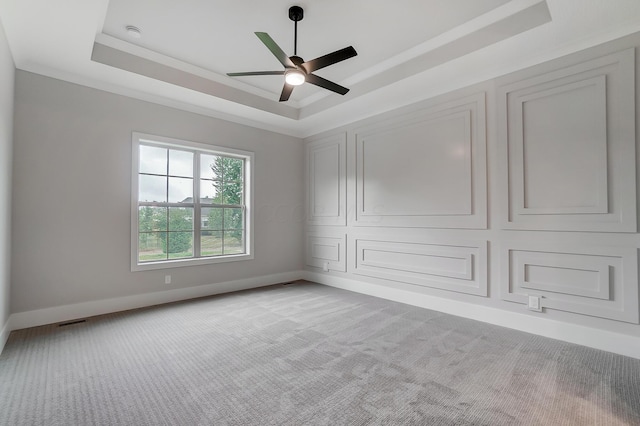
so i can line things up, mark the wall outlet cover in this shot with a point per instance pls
(535, 303)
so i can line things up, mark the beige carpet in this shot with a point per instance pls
(306, 354)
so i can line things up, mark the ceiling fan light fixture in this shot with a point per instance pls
(294, 77)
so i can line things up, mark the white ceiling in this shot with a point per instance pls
(407, 51)
(201, 33)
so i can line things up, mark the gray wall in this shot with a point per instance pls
(7, 72)
(71, 203)
(522, 186)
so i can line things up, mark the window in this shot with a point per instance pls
(191, 203)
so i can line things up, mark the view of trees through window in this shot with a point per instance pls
(172, 224)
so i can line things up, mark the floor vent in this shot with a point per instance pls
(64, 324)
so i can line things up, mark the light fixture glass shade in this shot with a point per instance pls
(294, 77)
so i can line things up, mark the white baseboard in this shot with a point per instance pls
(56, 314)
(586, 336)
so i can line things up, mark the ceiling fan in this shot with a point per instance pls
(296, 70)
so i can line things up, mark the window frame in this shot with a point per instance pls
(137, 139)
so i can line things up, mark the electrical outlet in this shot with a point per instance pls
(325, 266)
(535, 304)
(167, 279)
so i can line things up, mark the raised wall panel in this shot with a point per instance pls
(459, 266)
(329, 252)
(427, 169)
(568, 144)
(595, 282)
(326, 191)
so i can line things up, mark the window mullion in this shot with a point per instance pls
(222, 199)
(157, 204)
(197, 211)
(168, 215)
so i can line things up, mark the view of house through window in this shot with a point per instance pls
(191, 203)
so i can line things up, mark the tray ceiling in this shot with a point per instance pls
(407, 51)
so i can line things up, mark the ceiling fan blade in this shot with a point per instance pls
(326, 84)
(329, 59)
(240, 74)
(275, 49)
(286, 92)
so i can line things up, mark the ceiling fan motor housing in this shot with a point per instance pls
(296, 60)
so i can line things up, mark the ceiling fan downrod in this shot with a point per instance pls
(295, 14)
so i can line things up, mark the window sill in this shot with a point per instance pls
(178, 263)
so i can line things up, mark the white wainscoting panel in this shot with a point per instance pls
(427, 169)
(326, 179)
(455, 266)
(600, 282)
(327, 252)
(568, 144)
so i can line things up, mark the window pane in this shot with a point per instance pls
(180, 163)
(211, 243)
(213, 217)
(210, 166)
(232, 193)
(180, 244)
(180, 190)
(233, 219)
(152, 188)
(209, 191)
(233, 168)
(153, 160)
(151, 246)
(233, 242)
(180, 219)
(152, 219)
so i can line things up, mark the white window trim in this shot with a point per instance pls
(136, 138)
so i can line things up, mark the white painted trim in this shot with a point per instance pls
(55, 314)
(586, 336)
